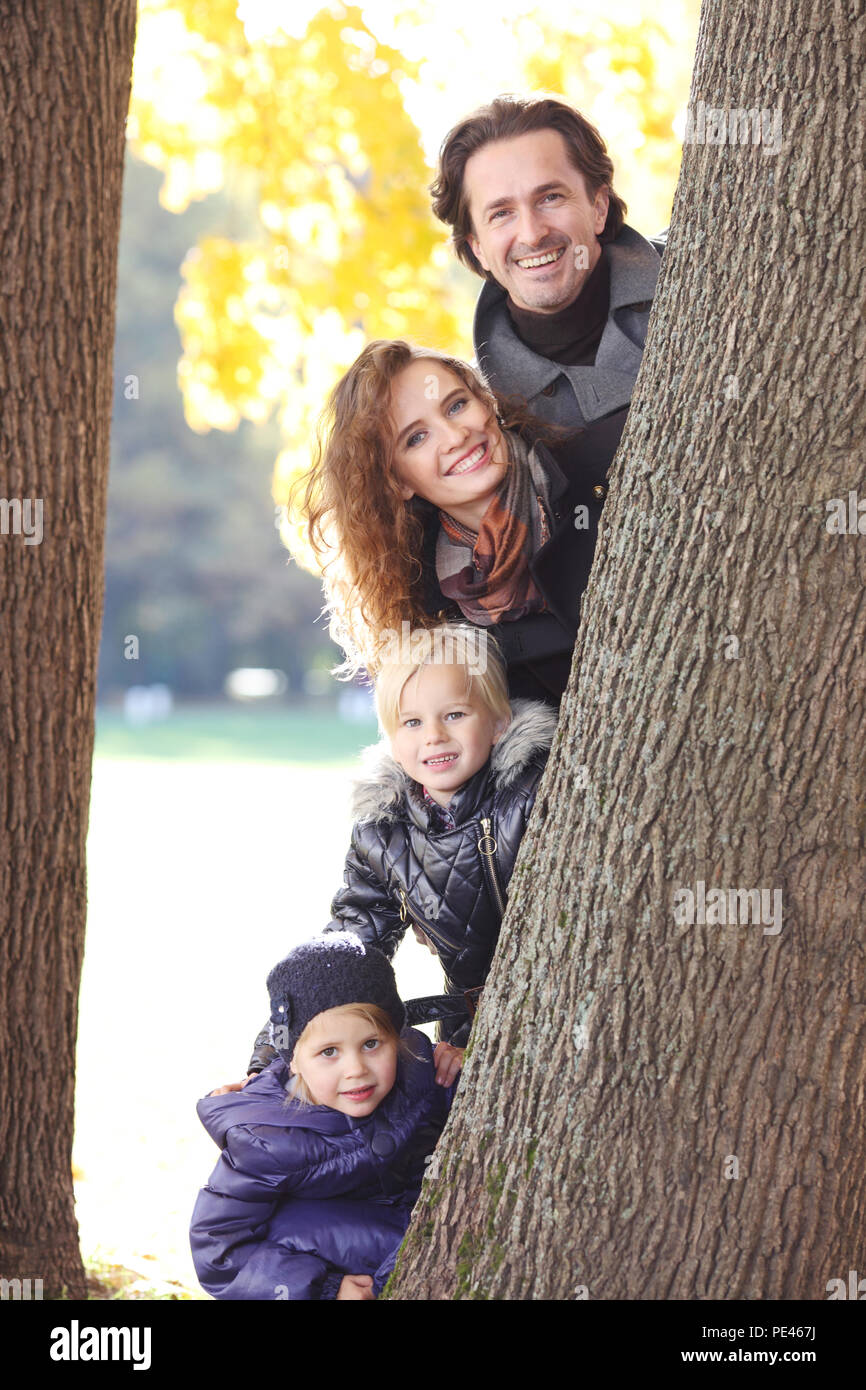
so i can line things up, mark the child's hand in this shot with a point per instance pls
(448, 1061)
(233, 1085)
(355, 1286)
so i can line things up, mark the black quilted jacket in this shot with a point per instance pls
(451, 885)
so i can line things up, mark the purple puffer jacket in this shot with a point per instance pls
(303, 1195)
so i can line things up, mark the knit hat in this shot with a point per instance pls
(325, 973)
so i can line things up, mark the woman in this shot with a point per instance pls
(431, 500)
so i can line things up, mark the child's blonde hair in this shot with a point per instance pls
(452, 644)
(378, 1020)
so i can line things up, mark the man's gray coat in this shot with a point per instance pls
(574, 397)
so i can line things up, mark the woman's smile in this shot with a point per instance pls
(470, 461)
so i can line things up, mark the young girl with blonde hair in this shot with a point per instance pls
(439, 816)
(323, 1154)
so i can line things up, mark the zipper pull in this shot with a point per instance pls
(485, 826)
(488, 856)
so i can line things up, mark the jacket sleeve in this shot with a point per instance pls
(364, 905)
(263, 1053)
(458, 1036)
(515, 811)
(233, 1257)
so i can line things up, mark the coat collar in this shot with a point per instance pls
(385, 793)
(599, 389)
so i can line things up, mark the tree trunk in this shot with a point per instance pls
(64, 90)
(655, 1109)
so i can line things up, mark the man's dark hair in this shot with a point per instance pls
(505, 119)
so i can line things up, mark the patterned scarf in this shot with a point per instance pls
(487, 574)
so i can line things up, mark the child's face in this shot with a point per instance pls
(445, 733)
(346, 1064)
(447, 447)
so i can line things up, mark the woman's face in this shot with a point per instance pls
(447, 447)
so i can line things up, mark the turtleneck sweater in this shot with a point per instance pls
(571, 335)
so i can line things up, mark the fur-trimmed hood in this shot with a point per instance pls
(384, 788)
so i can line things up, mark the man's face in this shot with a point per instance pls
(535, 227)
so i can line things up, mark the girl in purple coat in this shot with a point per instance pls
(324, 1152)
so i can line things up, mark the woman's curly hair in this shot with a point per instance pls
(366, 537)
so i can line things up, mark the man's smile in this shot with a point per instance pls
(540, 258)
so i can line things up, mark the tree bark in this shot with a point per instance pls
(653, 1109)
(64, 91)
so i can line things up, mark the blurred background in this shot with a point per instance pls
(275, 218)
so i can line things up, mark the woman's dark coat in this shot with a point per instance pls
(302, 1196)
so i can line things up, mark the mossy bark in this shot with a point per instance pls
(655, 1109)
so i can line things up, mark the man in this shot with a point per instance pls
(527, 188)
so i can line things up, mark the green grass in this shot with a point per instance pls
(209, 733)
(106, 1281)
